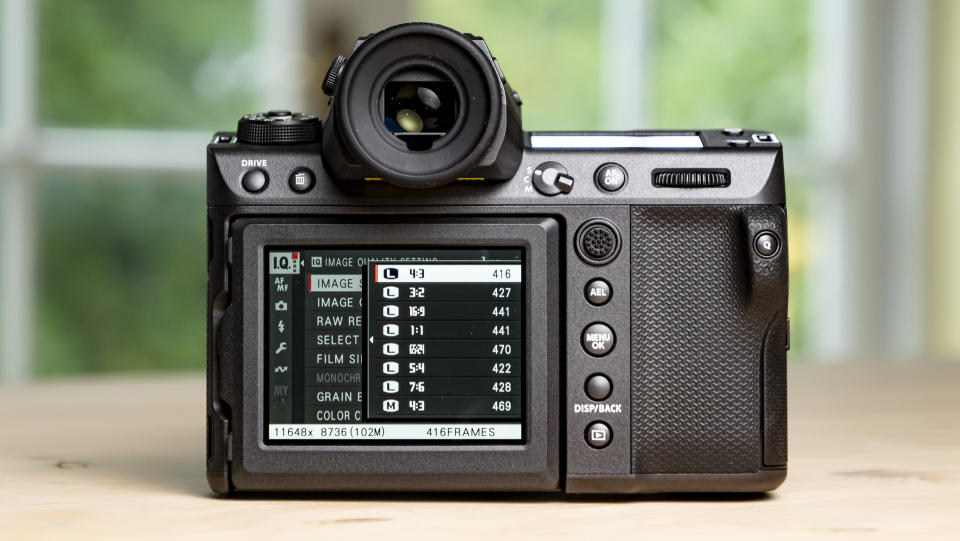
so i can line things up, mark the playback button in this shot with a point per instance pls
(598, 435)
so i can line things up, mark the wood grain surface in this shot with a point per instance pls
(874, 454)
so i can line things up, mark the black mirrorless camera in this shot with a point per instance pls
(416, 294)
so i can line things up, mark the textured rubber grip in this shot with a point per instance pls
(708, 340)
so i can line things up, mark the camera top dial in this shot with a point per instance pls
(278, 127)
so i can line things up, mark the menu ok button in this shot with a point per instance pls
(598, 339)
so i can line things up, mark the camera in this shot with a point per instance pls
(414, 294)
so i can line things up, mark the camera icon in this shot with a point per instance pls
(280, 306)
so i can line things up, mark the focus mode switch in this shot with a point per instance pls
(551, 178)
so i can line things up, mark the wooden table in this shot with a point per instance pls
(874, 454)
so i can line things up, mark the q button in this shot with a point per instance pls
(767, 244)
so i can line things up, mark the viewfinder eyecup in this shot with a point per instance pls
(416, 105)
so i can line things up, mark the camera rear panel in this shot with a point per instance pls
(663, 369)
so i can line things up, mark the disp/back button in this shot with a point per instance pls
(598, 387)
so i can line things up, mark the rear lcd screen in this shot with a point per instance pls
(394, 345)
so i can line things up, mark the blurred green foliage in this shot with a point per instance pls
(121, 269)
(724, 63)
(739, 63)
(542, 47)
(121, 273)
(142, 63)
(121, 255)
(715, 63)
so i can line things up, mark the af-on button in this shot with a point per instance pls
(610, 177)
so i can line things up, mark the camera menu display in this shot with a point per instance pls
(392, 344)
(444, 340)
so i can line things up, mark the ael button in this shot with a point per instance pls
(551, 178)
(597, 292)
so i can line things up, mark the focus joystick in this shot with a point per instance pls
(278, 128)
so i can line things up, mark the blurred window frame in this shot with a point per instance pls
(27, 148)
(845, 134)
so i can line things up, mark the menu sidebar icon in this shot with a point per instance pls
(279, 351)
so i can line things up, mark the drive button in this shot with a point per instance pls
(254, 180)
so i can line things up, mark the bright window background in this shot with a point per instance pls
(107, 107)
(120, 260)
(141, 64)
(121, 272)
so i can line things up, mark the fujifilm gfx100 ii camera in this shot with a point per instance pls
(415, 294)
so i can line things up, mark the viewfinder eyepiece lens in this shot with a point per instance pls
(409, 121)
(419, 112)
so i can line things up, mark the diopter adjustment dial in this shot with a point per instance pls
(278, 128)
(329, 84)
